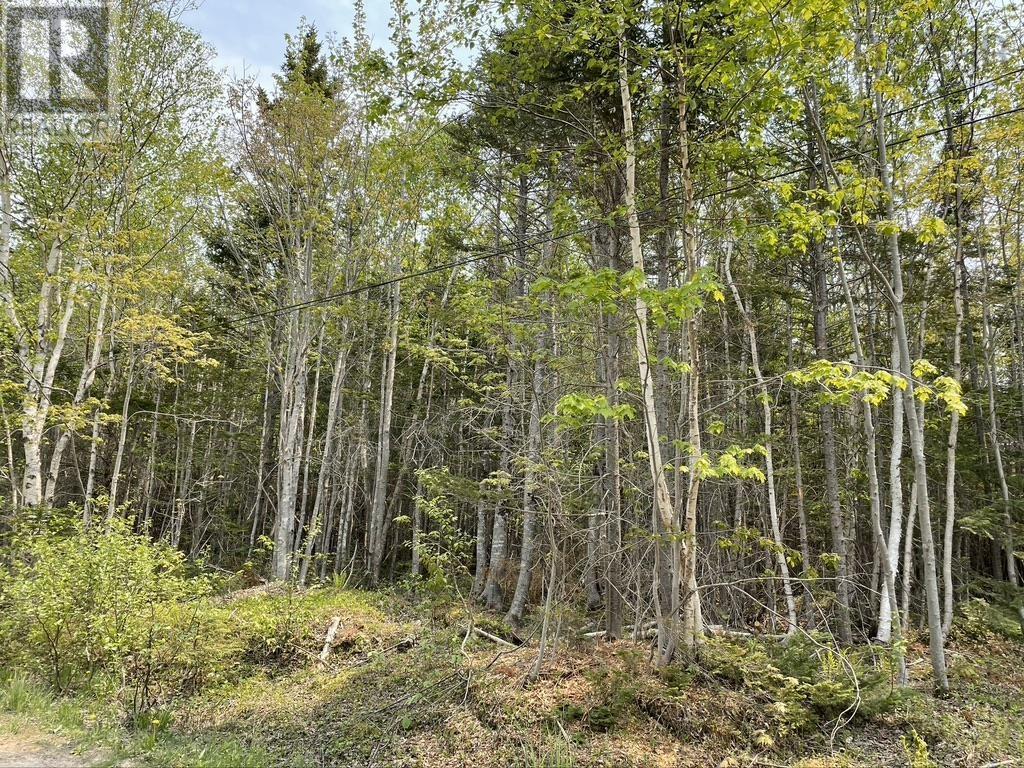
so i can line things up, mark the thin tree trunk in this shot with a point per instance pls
(85, 381)
(533, 458)
(261, 465)
(122, 437)
(482, 541)
(989, 344)
(827, 419)
(307, 451)
(494, 596)
(874, 487)
(954, 424)
(746, 312)
(148, 487)
(916, 428)
(40, 360)
(378, 507)
(684, 565)
(533, 439)
(338, 376)
(828, 442)
(289, 449)
(611, 490)
(663, 508)
(798, 485)
(896, 524)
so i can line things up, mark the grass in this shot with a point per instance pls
(29, 709)
(402, 689)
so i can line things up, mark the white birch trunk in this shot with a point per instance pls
(769, 455)
(663, 508)
(378, 506)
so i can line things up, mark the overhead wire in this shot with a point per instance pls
(494, 253)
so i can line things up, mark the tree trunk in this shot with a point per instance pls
(819, 291)
(289, 448)
(115, 476)
(533, 441)
(938, 653)
(338, 376)
(989, 344)
(663, 508)
(886, 607)
(954, 423)
(378, 507)
(684, 565)
(85, 381)
(874, 488)
(828, 444)
(746, 312)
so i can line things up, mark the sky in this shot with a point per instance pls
(248, 35)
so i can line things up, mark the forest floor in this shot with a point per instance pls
(24, 746)
(411, 687)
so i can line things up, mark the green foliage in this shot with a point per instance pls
(839, 383)
(616, 690)
(84, 607)
(304, 63)
(981, 620)
(751, 541)
(274, 629)
(118, 615)
(805, 682)
(731, 464)
(916, 750)
(279, 628)
(445, 550)
(609, 291)
(20, 695)
(579, 410)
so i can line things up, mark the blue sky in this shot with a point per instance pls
(249, 34)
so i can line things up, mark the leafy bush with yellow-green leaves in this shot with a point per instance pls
(111, 613)
(92, 608)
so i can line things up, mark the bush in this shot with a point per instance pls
(282, 630)
(806, 682)
(88, 608)
(981, 620)
(278, 627)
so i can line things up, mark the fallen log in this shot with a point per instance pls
(332, 632)
(494, 638)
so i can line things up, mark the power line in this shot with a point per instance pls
(407, 276)
(245, 319)
(852, 154)
(953, 92)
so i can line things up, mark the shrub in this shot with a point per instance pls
(916, 750)
(806, 682)
(88, 608)
(445, 551)
(281, 629)
(982, 620)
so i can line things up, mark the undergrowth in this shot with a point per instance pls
(151, 661)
